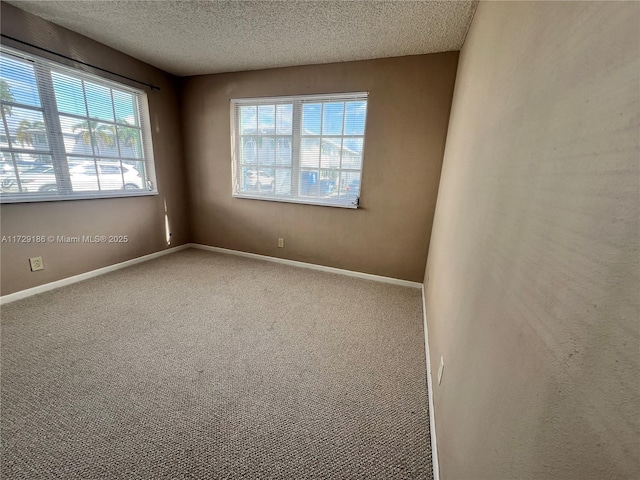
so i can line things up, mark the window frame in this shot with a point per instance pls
(297, 135)
(43, 70)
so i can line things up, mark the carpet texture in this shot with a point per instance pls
(200, 365)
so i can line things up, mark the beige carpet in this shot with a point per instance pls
(202, 366)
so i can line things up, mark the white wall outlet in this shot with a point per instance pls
(281, 243)
(440, 370)
(36, 264)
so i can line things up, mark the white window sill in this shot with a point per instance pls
(27, 198)
(301, 201)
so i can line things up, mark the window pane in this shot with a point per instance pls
(35, 173)
(110, 174)
(69, 94)
(266, 177)
(310, 152)
(267, 119)
(311, 114)
(134, 174)
(249, 149)
(8, 177)
(350, 185)
(125, 106)
(284, 119)
(76, 136)
(129, 141)
(248, 120)
(104, 139)
(327, 186)
(83, 174)
(99, 101)
(266, 150)
(27, 129)
(332, 118)
(4, 138)
(352, 153)
(18, 83)
(283, 151)
(309, 183)
(249, 179)
(283, 181)
(257, 180)
(355, 116)
(331, 148)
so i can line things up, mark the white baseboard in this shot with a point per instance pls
(312, 266)
(432, 414)
(12, 297)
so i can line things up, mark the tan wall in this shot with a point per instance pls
(389, 234)
(141, 218)
(533, 291)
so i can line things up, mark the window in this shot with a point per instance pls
(304, 149)
(67, 134)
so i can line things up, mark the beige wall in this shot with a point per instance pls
(533, 291)
(408, 111)
(141, 218)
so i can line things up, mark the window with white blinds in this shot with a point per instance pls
(67, 134)
(302, 149)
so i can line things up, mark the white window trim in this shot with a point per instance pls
(297, 101)
(49, 109)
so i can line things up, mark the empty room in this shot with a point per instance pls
(319, 240)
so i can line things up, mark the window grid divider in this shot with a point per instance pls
(296, 126)
(54, 130)
(344, 122)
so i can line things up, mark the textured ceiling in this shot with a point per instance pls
(199, 37)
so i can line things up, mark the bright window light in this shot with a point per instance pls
(67, 134)
(303, 149)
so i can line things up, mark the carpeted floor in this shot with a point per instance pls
(200, 365)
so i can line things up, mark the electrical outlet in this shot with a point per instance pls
(281, 243)
(36, 264)
(440, 370)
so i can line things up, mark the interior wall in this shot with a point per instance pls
(532, 278)
(142, 219)
(389, 235)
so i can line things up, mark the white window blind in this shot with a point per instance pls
(67, 134)
(302, 149)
